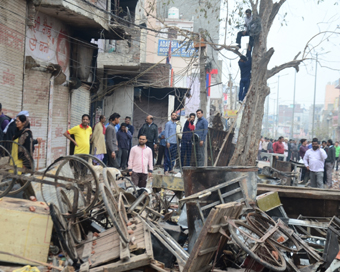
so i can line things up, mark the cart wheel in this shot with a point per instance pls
(265, 253)
(93, 158)
(6, 183)
(110, 181)
(21, 182)
(122, 201)
(80, 174)
(66, 208)
(280, 238)
(111, 206)
(63, 233)
(128, 184)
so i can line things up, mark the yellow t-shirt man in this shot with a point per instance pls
(82, 138)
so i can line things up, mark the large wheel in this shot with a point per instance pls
(62, 229)
(6, 183)
(66, 208)
(19, 182)
(281, 238)
(111, 206)
(81, 176)
(264, 253)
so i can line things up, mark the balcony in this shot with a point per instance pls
(90, 15)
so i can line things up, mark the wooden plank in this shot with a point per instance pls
(148, 242)
(205, 246)
(207, 250)
(134, 262)
(212, 189)
(299, 192)
(87, 248)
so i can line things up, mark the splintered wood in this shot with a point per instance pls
(106, 253)
(211, 234)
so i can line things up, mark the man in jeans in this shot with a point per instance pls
(202, 131)
(337, 153)
(171, 144)
(314, 161)
(111, 140)
(330, 162)
(140, 162)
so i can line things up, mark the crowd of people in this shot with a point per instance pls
(112, 143)
(319, 159)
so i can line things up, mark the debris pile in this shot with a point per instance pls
(80, 217)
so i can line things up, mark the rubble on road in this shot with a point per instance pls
(91, 218)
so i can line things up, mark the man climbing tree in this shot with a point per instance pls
(245, 67)
(246, 32)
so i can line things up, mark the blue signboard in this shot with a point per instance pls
(177, 49)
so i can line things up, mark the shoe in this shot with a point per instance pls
(173, 172)
(240, 102)
(301, 181)
(166, 173)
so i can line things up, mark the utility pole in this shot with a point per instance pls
(316, 66)
(292, 125)
(277, 108)
(203, 89)
(267, 115)
(230, 85)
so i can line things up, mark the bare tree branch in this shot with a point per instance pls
(294, 63)
(275, 10)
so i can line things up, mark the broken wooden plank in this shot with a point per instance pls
(134, 262)
(205, 246)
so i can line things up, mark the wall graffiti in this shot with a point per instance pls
(48, 41)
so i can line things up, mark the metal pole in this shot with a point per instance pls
(231, 92)
(292, 127)
(277, 108)
(316, 66)
(203, 90)
(267, 116)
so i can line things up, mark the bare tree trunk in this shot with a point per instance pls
(250, 130)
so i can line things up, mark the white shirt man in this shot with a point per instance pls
(314, 160)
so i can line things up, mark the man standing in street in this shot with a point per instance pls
(130, 128)
(202, 131)
(98, 139)
(161, 148)
(4, 120)
(337, 153)
(270, 146)
(82, 134)
(186, 143)
(171, 144)
(278, 148)
(329, 163)
(150, 130)
(123, 138)
(111, 140)
(140, 162)
(314, 161)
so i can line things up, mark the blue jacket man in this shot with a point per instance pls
(202, 131)
(245, 67)
(171, 144)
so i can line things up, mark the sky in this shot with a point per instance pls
(304, 19)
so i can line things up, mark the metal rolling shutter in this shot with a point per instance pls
(80, 104)
(12, 50)
(59, 123)
(36, 98)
